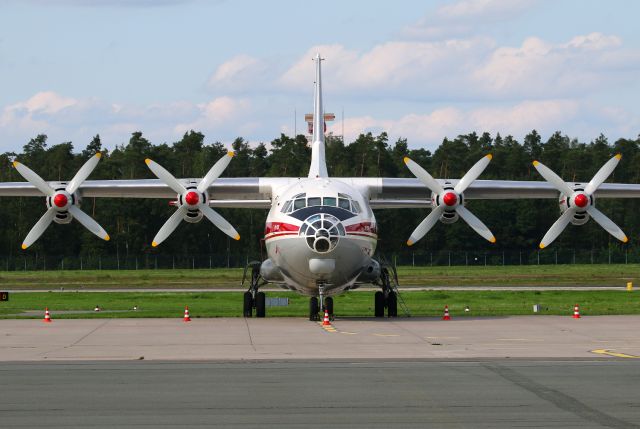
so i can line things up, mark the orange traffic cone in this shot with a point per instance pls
(325, 321)
(47, 316)
(446, 313)
(186, 314)
(576, 312)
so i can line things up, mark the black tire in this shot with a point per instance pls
(379, 304)
(313, 309)
(328, 302)
(247, 307)
(261, 304)
(392, 304)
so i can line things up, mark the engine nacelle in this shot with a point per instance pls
(581, 216)
(62, 217)
(370, 273)
(270, 272)
(193, 216)
(448, 216)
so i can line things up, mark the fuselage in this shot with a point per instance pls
(320, 232)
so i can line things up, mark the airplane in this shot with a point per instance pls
(321, 231)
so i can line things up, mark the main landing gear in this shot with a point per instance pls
(387, 297)
(253, 298)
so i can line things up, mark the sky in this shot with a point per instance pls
(421, 70)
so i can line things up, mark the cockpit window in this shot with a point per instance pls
(314, 201)
(329, 201)
(300, 201)
(343, 203)
(287, 206)
(299, 204)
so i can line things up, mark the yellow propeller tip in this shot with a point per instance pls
(147, 161)
(231, 153)
(535, 163)
(409, 243)
(237, 237)
(492, 240)
(98, 155)
(24, 247)
(625, 239)
(15, 163)
(406, 160)
(154, 244)
(490, 156)
(107, 238)
(618, 155)
(541, 246)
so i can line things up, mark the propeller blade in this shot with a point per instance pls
(423, 176)
(473, 174)
(215, 172)
(39, 228)
(607, 224)
(219, 221)
(83, 173)
(602, 174)
(31, 177)
(553, 178)
(165, 177)
(557, 227)
(88, 222)
(425, 225)
(475, 223)
(169, 226)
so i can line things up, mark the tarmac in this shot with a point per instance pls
(527, 371)
(237, 339)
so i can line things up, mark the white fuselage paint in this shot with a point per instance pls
(288, 244)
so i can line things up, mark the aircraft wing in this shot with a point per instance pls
(387, 193)
(242, 192)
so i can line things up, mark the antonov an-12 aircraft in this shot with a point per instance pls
(321, 232)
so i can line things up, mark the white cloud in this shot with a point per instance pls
(464, 17)
(238, 73)
(220, 113)
(575, 119)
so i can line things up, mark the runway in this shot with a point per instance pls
(530, 371)
(316, 394)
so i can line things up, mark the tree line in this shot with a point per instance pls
(132, 223)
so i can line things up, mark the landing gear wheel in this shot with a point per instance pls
(379, 304)
(247, 307)
(392, 304)
(313, 309)
(328, 303)
(261, 304)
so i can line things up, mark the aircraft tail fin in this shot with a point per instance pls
(318, 166)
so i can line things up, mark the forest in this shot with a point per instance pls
(132, 223)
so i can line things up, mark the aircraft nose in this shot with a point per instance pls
(322, 232)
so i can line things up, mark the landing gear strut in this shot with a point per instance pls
(253, 298)
(386, 298)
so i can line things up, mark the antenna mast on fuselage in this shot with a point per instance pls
(318, 166)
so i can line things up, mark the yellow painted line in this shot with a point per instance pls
(386, 335)
(610, 353)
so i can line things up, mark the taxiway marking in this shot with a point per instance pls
(610, 353)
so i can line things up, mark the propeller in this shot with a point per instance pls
(192, 199)
(578, 201)
(449, 200)
(61, 202)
